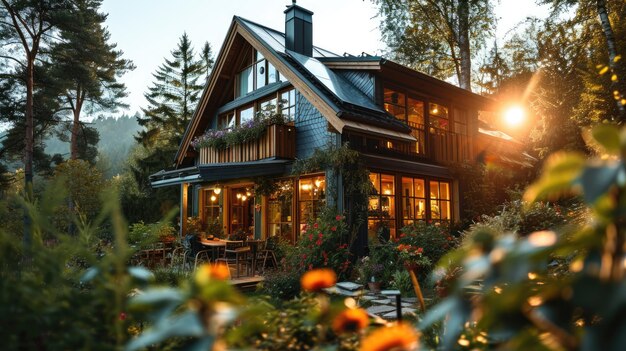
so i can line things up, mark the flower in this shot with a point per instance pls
(399, 337)
(318, 279)
(412, 255)
(350, 320)
(122, 316)
(208, 272)
(369, 270)
(338, 217)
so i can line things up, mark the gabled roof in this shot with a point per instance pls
(338, 100)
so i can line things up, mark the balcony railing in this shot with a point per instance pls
(278, 141)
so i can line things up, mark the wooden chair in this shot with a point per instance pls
(195, 252)
(235, 252)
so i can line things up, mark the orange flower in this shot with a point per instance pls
(350, 320)
(400, 337)
(208, 272)
(318, 279)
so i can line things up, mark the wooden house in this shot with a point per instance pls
(407, 126)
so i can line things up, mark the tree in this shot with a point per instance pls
(87, 66)
(172, 99)
(438, 37)
(29, 23)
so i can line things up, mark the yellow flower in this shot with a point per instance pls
(400, 337)
(208, 272)
(318, 279)
(350, 320)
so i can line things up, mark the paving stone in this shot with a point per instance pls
(368, 297)
(382, 301)
(409, 299)
(407, 304)
(349, 286)
(405, 312)
(380, 309)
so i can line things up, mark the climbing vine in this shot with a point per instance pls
(348, 164)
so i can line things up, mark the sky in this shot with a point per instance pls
(148, 30)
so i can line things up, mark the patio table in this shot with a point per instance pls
(214, 246)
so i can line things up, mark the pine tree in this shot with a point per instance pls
(87, 66)
(172, 100)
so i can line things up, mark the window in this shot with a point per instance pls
(241, 210)
(280, 206)
(381, 208)
(226, 121)
(460, 121)
(255, 76)
(312, 197)
(247, 114)
(288, 104)
(410, 111)
(413, 200)
(440, 200)
(211, 211)
(438, 118)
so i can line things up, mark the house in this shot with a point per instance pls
(407, 126)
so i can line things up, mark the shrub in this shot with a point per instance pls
(281, 284)
(401, 280)
(436, 240)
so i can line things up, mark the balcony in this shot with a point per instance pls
(279, 141)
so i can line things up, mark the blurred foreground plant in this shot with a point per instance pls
(507, 297)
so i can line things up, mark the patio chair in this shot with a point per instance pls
(268, 252)
(235, 252)
(194, 251)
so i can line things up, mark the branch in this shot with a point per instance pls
(14, 59)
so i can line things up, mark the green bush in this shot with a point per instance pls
(281, 284)
(436, 240)
(401, 280)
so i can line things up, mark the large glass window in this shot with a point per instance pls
(382, 208)
(241, 210)
(311, 199)
(255, 76)
(280, 205)
(413, 200)
(440, 200)
(395, 104)
(226, 121)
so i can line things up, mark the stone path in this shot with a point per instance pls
(377, 304)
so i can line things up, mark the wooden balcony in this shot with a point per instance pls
(278, 141)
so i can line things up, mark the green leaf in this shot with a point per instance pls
(608, 136)
(140, 273)
(89, 274)
(203, 344)
(559, 175)
(187, 324)
(596, 180)
(158, 295)
(439, 312)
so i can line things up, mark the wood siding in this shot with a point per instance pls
(278, 141)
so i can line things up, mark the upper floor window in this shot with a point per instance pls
(438, 120)
(257, 75)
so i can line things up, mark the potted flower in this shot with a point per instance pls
(370, 272)
(412, 256)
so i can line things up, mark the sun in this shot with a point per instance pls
(514, 116)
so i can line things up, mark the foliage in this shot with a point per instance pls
(436, 37)
(357, 185)
(142, 235)
(194, 225)
(412, 256)
(281, 284)
(214, 227)
(247, 131)
(401, 280)
(369, 270)
(522, 302)
(323, 243)
(435, 240)
(53, 300)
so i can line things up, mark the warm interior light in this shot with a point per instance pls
(306, 186)
(514, 116)
(244, 198)
(238, 195)
(435, 110)
(217, 190)
(248, 194)
(213, 198)
(318, 183)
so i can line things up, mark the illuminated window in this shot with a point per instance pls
(382, 208)
(410, 111)
(440, 200)
(211, 201)
(438, 118)
(312, 198)
(413, 200)
(280, 207)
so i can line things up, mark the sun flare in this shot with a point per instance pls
(514, 116)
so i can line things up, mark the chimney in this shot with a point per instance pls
(299, 30)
